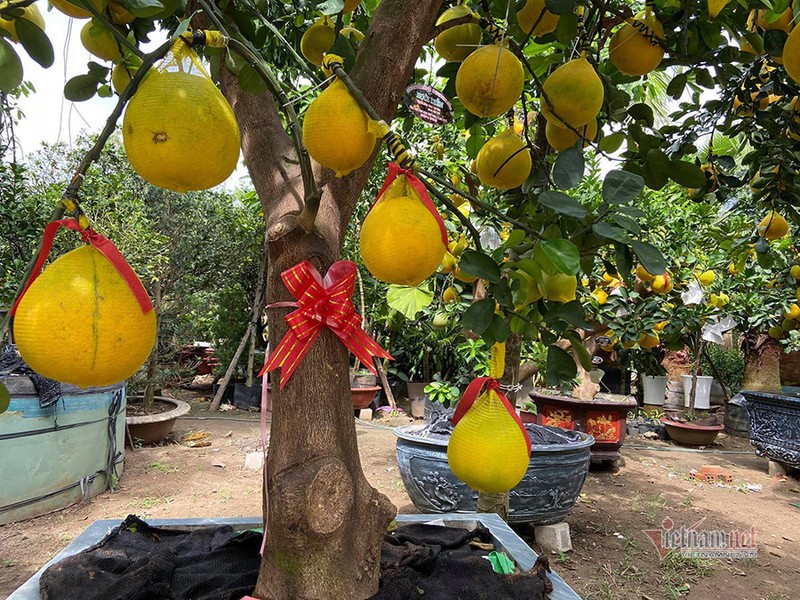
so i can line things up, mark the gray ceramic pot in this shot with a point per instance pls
(545, 495)
(775, 426)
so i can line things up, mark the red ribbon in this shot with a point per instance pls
(396, 170)
(474, 390)
(321, 303)
(101, 243)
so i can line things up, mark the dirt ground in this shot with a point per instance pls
(612, 557)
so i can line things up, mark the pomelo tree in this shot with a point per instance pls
(570, 76)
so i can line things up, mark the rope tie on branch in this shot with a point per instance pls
(204, 37)
(495, 32)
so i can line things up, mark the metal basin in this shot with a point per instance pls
(545, 495)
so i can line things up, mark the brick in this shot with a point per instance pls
(554, 538)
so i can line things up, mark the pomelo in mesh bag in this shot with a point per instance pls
(490, 81)
(179, 131)
(337, 133)
(635, 48)
(401, 238)
(504, 162)
(80, 323)
(488, 449)
(576, 93)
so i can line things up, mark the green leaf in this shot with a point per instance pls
(568, 168)
(560, 366)
(35, 42)
(620, 187)
(331, 7)
(478, 317)
(5, 398)
(650, 256)
(10, 67)
(677, 85)
(344, 48)
(144, 8)
(250, 81)
(687, 174)
(497, 332)
(80, 88)
(627, 223)
(642, 112)
(573, 313)
(562, 204)
(474, 143)
(480, 265)
(559, 7)
(611, 143)
(409, 300)
(579, 350)
(612, 232)
(563, 254)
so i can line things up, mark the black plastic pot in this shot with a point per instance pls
(775, 426)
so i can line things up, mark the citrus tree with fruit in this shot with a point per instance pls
(525, 93)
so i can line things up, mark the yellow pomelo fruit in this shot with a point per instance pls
(464, 277)
(783, 22)
(401, 241)
(576, 93)
(535, 19)
(350, 5)
(642, 274)
(706, 277)
(775, 332)
(788, 325)
(353, 34)
(719, 300)
(661, 284)
(600, 295)
(76, 11)
(559, 287)
(608, 278)
(317, 40)
(795, 271)
(504, 162)
(490, 81)
(80, 323)
(773, 226)
(791, 55)
(648, 340)
(797, 294)
(528, 291)
(660, 326)
(449, 263)
(635, 48)
(629, 344)
(793, 313)
(715, 7)
(180, 132)
(337, 133)
(450, 295)
(31, 13)
(100, 41)
(487, 449)
(561, 138)
(458, 42)
(119, 14)
(121, 76)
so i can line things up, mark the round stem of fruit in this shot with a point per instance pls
(476, 237)
(121, 39)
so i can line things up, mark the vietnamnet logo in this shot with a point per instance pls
(693, 542)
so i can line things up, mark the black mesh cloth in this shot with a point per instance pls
(11, 363)
(139, 562)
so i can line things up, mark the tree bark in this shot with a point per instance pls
(762, 357)
(325, 522)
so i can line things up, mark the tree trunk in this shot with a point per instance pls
(324, 522)
(152, 362)
(762, 357)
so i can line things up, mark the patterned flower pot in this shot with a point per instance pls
(775, 426)
(546, 494)
(603, 418)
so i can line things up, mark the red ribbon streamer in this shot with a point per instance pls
(101, 243)
(474, 390)
(396, 170)
(321, 303)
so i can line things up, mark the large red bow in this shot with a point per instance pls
(472, 393)
(321, 303)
